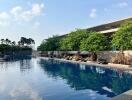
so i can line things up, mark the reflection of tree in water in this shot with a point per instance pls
(104, 81)
(3, 66)
(25, 65)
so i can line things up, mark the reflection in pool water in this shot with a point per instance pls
(39, 79)
(24, 90)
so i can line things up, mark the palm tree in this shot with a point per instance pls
(6, 41)
(19, 43)
(23, 41)
(31, 41)
(2, 41)
(9, 42)
(13, 43)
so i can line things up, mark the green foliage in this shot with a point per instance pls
(50, 44)
(72, 40)
(84, 40)
(64, 44)
(122, 39)
(26, 41)
(95, 42)
(11, 46)
(4, 48)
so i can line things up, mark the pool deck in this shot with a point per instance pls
(125, 96)
(117, 67)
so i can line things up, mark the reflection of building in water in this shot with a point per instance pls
(107, 89)
(100, 70)
(25, 65)
(82, 66)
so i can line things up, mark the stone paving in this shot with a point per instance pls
(125, 96)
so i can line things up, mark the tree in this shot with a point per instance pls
(22, 41)
(8, 41)
(64, 44)
(7, 45)
(29, 42)
(50, 44)
(73, 40)
(2, 41)
(95, 42)
(13, 43)
(122, 39)
(26, 41)
(19, 43)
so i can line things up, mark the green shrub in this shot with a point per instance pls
(95, 42)
(122, 39)
(73, 40)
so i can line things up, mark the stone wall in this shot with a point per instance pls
(106, 55)
(102, 54)
(109, 54)
(128, 53)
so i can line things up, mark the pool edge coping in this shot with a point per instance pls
(124, 96)
(92, 63)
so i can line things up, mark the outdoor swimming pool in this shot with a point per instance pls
(39, 79)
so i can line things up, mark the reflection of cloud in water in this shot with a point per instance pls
(24, 90)
(92, 94)
(2, 87)
(107, 89)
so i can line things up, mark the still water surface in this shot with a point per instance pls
(39, 79)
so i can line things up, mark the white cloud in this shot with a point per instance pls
(93, 13)
(16, 10)
(122, 4)
(37, 9)
(4, 18)
(22, 14)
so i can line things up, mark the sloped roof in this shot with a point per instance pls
(108, 26)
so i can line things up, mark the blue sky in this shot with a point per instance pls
(40, 19)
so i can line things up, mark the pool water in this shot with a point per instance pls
(41, 79)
